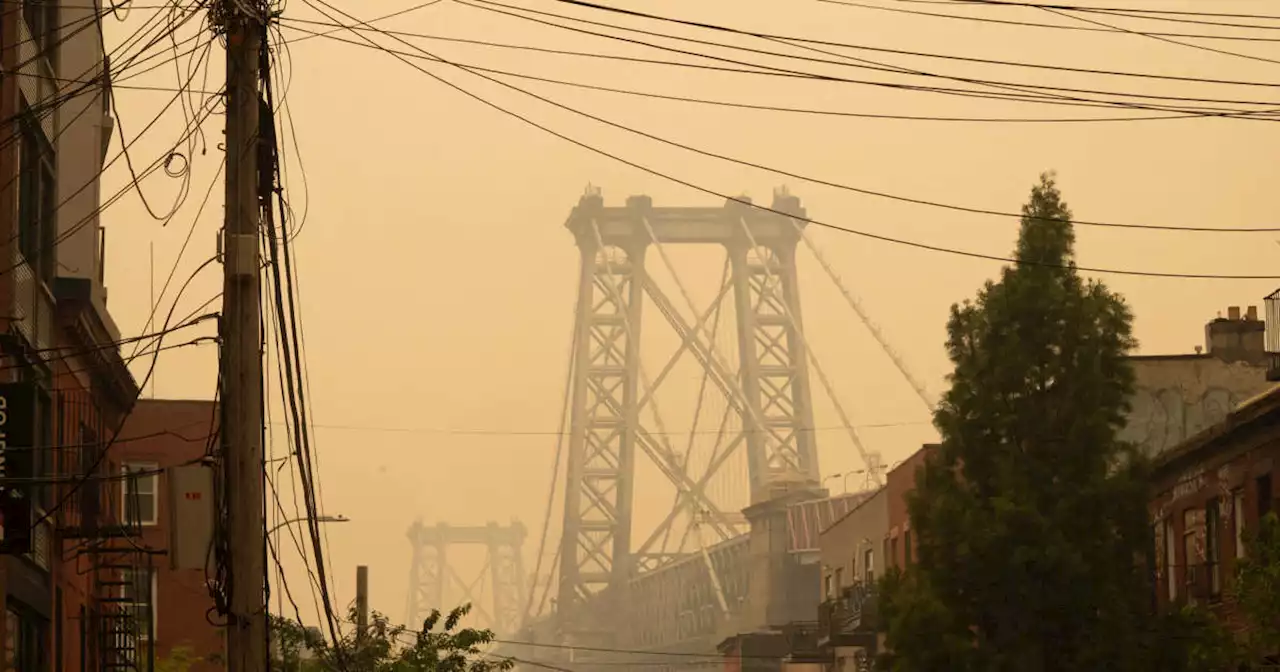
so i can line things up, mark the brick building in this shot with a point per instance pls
(69, 557)
(157, 435)
(898, 545)
(851, 556)
(1206, 493)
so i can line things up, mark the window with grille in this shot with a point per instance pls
(141, 493)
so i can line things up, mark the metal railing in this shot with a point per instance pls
(849, 615)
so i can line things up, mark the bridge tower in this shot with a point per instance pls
(431, 573)
(767, 389)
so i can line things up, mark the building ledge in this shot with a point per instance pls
(83, 319)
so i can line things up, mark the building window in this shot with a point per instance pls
(1263, 484)
(839, 578)
(1170, 561)
(42, 21)
(138, 595)
(12, 625)
(828, 590)
(1237, 520)
(37, 199)
(1193, 551)
(869, 566)
(24, 642)
(141, 493)
(1212, 530)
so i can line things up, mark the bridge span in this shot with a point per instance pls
(717, 565)
(765, 577)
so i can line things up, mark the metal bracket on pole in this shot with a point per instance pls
(241, 254)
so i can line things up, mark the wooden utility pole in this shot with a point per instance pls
(241, 357)
(362, 603)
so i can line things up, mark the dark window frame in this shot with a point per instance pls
(37, 197)
(1262, 490)
(29, 651)
(42, 21)
(1213, 546)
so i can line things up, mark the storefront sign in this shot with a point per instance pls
(17, 442)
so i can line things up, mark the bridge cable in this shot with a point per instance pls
(817, 367)
(555, 467)
(921, 390)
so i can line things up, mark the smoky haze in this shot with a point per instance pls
(437, 280)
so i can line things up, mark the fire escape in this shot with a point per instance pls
(105, 538)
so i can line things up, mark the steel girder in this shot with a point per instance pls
(769, 392)
(431, 571)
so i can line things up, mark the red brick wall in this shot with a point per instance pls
(900, 481)
(168, 433)
(1188, 487)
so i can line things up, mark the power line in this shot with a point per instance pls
(1178, 112)
(865, 191)
(52, 105)
(1079, 8)
(1166, 40)
(1032, 24)
(733, 104)
(1019, 91)
(881, 67)
(712, 192)
(863, 47)
(453, 431)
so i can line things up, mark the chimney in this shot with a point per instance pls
(1234, 339)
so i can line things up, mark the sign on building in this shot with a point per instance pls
(17, 446)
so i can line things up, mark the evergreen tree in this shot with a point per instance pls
(1034, 543)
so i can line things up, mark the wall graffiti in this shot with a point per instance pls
(1162, 418)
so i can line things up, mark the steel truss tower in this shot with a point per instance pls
(431, 572)
(769, 391)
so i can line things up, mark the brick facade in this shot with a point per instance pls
(159, 434)
(1206, 493)
(899, 546)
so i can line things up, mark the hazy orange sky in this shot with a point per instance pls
(437, 281)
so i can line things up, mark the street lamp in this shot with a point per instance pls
(321, 519)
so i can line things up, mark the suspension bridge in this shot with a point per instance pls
(734, 548)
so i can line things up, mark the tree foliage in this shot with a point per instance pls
(1257, 588)
(1034, 542)
(441, 645)
(180, 659)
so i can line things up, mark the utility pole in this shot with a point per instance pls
(362, 604)
(241, 357)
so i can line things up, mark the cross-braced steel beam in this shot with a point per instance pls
(769, 393)
(431, 573)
